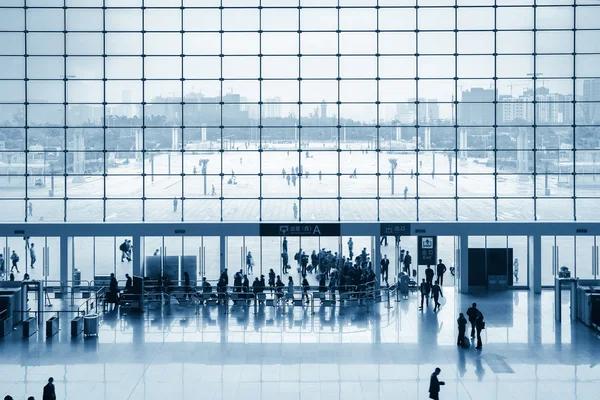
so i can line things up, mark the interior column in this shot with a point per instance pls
(534, 250)
(462, 270)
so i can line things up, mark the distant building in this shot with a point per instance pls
(474, 107)
(323, 109)
(591, 93)
(272, 108)
(428, 110)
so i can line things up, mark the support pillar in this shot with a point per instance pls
(223, 253)
(136, 262)
(66, 258)
(462, 269)
(534, 248)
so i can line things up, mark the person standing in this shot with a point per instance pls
(441, 270)
(49, 391)
(425, 289)
(290, 293)
(472, 313)
(1, 265)
(462, 328)
(429, 275)
(436, 292)
(479, 326)
(249, 263)
(32, 257)
(14, 258)
(350, 247)
(385, 266)
(30, 209)
(285, 260)
(271, 279)
(516, 269)
(305, 289)
(295, 209)
(407, 262)
(434, 385)
(175, 202)
(124, 250)
(303, 263)
(285, 245)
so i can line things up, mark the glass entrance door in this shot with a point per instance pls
(558, 252)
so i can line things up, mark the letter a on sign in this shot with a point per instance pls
(316, 230)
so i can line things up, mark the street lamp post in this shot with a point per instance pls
(204, 162)
(451, 176)
(393, 166)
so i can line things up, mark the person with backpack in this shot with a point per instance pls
(472, 314)
(14, 258)
(124, 250)
(425, 289)
(436, 292)
(479, 326)
(462, 328)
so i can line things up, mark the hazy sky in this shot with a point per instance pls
(280, 44)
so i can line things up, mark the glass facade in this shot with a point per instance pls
(269, 110)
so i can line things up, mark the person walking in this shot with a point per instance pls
(405, 192)
(425, 289)
(49, 391)
(305, 289)
(385, 266)
(436, 292)
(434, 385)
(14, 258)
(407, 262)
(383, 240)
(30, 209)
(462, 328)
(429, 275)
(290, 293)
(441, 270)
(472, 313)
(479, 326)
(32, 257)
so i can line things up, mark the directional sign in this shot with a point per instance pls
(300, 230)
(391, 229)
(427, 246)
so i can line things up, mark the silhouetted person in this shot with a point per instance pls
(279, 285)
(407, 262)
(49, 393)
(187, 286)
(441, 269)
(385, 266)
(14, 258)
(429, 275)
(175, 202)
(249, 262)
(472, 313)
(285, 245)
(295, 207)
(128, 284)
(32, 257)
(479, 326)
(305, 289)
(383, 240)
(271, 279)
(425, 289)
(434, 385)
(436, 292)
(8, 397)
(462, 329)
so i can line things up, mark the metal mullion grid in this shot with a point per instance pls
(65, 105)
(456, 108)
(417, 111)
(378, 148)
(339, 108)
(104, 177)
(496, 112)
(144, 114)
(182, 127)
(221, 100)
(574, 110)
(299, 109)
(260, 109)
(25, 119)
(534, 111)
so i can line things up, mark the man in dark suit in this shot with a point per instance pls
(385, 266)
(434, 385)
(49, 393)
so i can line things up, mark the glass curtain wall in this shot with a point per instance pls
(227, 110)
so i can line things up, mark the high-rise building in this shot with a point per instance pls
(591, 97)
(474, 107)
(272, 108)
(428, 110)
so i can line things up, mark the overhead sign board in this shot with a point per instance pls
(300, 230)
(427, 247)
(393, 229)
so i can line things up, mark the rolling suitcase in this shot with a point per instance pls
(466, 343)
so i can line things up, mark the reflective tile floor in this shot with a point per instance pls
(375, 353)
